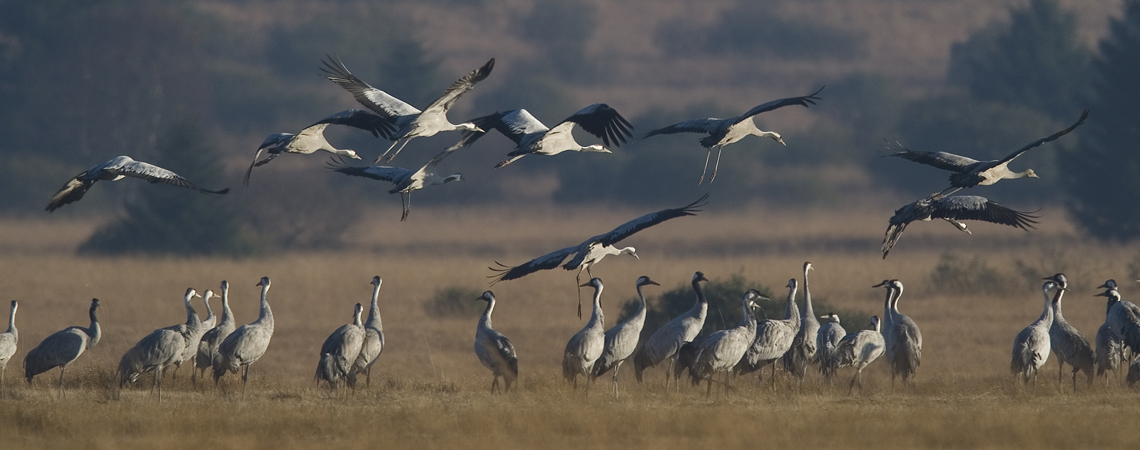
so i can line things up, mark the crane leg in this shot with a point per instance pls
(61, 370)
(405, 200)
(669, 372)
(773, 375)
(578, 282)
(368, 376)
(706, 168)
(616, 369)
(719, 150)
(381, 157)
(398, 150)
(244, 379)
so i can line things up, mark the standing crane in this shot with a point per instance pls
(1109, 348)
(803, 351)
(247, 343)
(592, 250)
(340, 350)
(159, 349)
(953, 210)
(903, 338)
(621, 340)
(192, 351)
(722, 132)
(1031, 346)
(8, 341)
(722, 350)
(969, 172)
(373, 339)
(115, 169)
(531, 137)
(1067, 342)
(773, 339)
(585, 347)
(667, 340)
(1123, 318)
(63, 347)
(827, 340)
(408, 121)
(191, 331)
(208, 345)
(494, 350)
(860, 349)
(406, 180)
(312, 138)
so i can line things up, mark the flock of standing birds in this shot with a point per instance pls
(795, 343)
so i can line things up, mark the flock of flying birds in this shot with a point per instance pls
(796, 341)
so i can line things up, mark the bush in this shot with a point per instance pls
(969, 276)
(454, 301)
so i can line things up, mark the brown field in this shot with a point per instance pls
(431, 391)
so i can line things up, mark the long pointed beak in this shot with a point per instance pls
(653, 283)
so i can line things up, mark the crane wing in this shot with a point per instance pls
(513, 124)
(973, 207)
(375, 99)
(71, 192)
(364, 120)
(804, 101)
(154, 174)
(648, 220)
(941, 160)
(603, 122)
(707, 126)
(383, 173)
(458, 88)
(1052, 137)
(544, 262)
(430, 165)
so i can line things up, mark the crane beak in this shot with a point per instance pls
(884, 283)
(1102, 294)
(584, 285)
(653, 283)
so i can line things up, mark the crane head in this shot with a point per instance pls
(487, 296)
(1060, 279)
(377, 281)
(191, 293)
(595, 149)
(699, 276)
(263, 283)
(644, 280)
(1110, 284)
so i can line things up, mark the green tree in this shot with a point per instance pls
(1035, 60)
(1103, 173)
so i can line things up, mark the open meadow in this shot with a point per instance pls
(429, 390)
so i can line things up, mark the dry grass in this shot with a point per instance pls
(432, 392)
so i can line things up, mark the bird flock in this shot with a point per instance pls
(795, 343)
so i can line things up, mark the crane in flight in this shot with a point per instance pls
(953, 209)
(115, 169)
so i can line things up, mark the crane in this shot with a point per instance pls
(953, 209)
(860, 349)
(373, 339)
(722, 132)
(803, 351)
(773, 339)
(622, 339)
(312, 138)
(340, 350)
(592, 250)
(1067, 342)
(585, 347)
(115, 169)
(159, 349)
(63, 347)
(1031, 346)
(406, 180)
(408, 121)
(667, 340)
(8, 341)
(1123, 317)
(494, 350)
(903, 338)
(532, 137)
(1109, 348)
(969, 172)
(830, 333)
(208, 345)
(192, 352)
(191, 331)
(722, 350)
(247, 343)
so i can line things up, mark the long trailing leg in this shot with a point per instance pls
(381, 157)
(406, 200)
(707, 155)
(719, 151)
(578, 282)
(390, 158)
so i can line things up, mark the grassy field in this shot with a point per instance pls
(429, 390)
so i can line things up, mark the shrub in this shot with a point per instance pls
(454, 301)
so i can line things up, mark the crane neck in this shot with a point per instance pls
(701, 300)
(597, 319)
(1047, 314)
(887, 303)
(209, 310)
(895, 301)
(1113, 299)
(374, 309)
(485, 320)
(640, 302)
(12, 319)
(809, 311)
(1057, 315)
(266, 314)
(192, 319)
(227, 315)
(793, 313)
(94, 332)
(356, 317)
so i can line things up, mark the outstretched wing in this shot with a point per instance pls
(941, 160)
(458, 88)
(804, 101)
(71, 192)
(894, 232)
(544, 262)
(513, 124)
(707, 126)
(154, 174)
(1052, 137)
(364, 120)
(375, 99)
(648, 220)
(603, 122)
(973, 207)
(383, 173)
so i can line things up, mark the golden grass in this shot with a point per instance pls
(430, 391)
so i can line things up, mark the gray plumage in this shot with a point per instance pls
(902, 337)
(621, 340)
(1031, 346)
(722, 350)
(1109, 348)
(373, 339)
(408, 121)
(208, 345)
(494, 350)
(827, 341)
(667, 340)
(953, 210)
(158, 350)
(63, 347)
(585, 347)
(1070, 346)
(532, 137)
(340, 350)
(8, 341)
(860, 349)
(312, 138)
(1123, 317)
(804, 349)
(115, 169)
(406, 181)
(191, 332)
(194, 350)
(773, 339)
(247, 343)
(722, 132)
